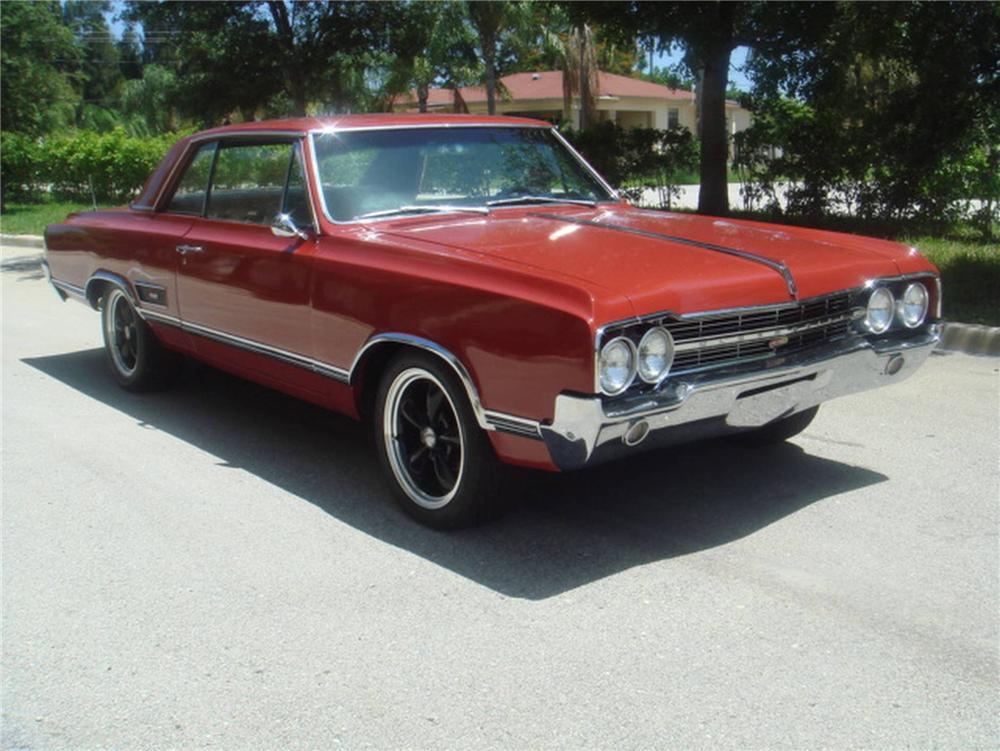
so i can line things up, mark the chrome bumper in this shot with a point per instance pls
(589, 429)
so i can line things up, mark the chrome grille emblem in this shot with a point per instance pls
(778, 341)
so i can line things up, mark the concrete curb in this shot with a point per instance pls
(22, 241)
(969, 338)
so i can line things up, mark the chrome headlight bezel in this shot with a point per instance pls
(658, 375)
(632, 365)
(911, 322)
(880, 292)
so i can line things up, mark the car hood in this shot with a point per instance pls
(660, 261)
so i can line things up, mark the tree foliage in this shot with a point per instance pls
(36, 50)
(876, 111)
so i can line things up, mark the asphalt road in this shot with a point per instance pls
(218, 566)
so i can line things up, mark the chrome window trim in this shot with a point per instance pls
(586, 165)
(425, 126)
(326, 131)
(297, 138)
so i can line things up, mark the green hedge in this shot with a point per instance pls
(80, 165)
(635, 159)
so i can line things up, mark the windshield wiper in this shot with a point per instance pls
(421, 209)
(540, 199)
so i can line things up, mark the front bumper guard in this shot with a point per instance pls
(729, 400)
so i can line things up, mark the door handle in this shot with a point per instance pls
(185, 249)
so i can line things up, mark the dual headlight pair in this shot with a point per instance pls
(621, 360)
(910, 309)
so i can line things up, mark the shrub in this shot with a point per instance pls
(80, 165)
(18, 166)
(637, 159)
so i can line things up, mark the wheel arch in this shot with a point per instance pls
(378, 350)
(100, 281)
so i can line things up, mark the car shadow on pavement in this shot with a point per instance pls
(565, 531)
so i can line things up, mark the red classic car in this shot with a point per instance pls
(480, 294)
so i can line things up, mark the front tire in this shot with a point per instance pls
(436, 458)
(137, 359)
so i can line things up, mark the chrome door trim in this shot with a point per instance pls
(487, 419)
(293, 358)
(70, 289)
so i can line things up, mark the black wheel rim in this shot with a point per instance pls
(123, 333)
(424, 438)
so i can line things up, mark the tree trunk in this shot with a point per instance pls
(584, 81)
(491, 79)
(713, 196)
(298, 98)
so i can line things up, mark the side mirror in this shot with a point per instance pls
(284, 226)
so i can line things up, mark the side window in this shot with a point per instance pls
(296, 203)
(189, 197)
(249, 182)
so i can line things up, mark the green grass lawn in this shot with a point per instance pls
(31, 218)
(970, 276)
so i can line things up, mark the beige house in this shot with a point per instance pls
(628, 101)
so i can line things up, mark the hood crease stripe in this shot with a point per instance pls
(781, 268)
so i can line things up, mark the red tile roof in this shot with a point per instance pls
(547, 84)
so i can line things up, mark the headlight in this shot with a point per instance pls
(617, 363)
(913, 306)
(881, 307)
(656, 355)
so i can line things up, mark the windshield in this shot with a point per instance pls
(368, 173)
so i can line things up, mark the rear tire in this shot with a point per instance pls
(778, 431)
(433, 453)
(137, 359)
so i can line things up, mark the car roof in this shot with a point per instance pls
(385, 120)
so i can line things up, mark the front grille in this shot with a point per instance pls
(712, 340)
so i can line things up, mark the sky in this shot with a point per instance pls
(661, 60)
(736, 63)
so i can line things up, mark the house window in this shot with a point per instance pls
(673, 118)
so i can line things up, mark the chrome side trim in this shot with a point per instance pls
(292, 358)
(487, 419)
(781, 268)
(512, 424)
(70, 289)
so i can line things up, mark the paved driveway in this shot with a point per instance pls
(218, 566)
